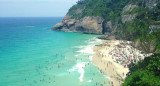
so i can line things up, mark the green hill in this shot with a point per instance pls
(130, 19)
(135, 20)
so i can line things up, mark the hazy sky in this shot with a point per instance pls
(35, 8)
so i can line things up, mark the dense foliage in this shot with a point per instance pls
(138, 29)
(111, 10)
(145, 73)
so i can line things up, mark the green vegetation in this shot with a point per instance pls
(132, 33)
(111, 10)
(107, 9)
(156, 37)
(145, 73)
(138, 29)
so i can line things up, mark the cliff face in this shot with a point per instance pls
(128, 17)
(89, 24)
(97, 16)
(125, 19)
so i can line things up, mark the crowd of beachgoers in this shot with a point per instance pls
(114, 57)
(125, 54)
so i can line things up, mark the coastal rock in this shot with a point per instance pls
(65, 24)
(67, 17)
(144, 46)
(107, 37)
(109, 26)
(90, 24)
(127, 18)
(58, 26)
(69, 22)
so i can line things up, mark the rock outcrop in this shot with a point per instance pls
(109, 28)
(89, 24)
(149, 3)
(76, 21)
(144, 46)
(128, 17)
(129, 7)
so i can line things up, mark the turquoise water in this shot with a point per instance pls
(33, 55)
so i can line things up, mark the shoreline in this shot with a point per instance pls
(113, 57)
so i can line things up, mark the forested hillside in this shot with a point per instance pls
(130, 19)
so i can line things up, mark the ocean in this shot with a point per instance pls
(33, 55)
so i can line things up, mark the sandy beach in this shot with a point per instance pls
(113, 57)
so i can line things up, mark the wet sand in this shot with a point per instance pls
(113, 61)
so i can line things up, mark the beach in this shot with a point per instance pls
(113, 57)
(44, 57)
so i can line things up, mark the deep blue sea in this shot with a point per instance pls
(33, 55)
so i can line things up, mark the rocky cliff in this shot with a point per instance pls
(125, 19)
(81, 19)
(88, 24)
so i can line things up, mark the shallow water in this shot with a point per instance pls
(33, 55)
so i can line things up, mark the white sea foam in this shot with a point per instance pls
(95, 41)
(107, 77)
(76, 55)
(89, 80)
(79, 47)
(90, 58)
(88, 49)
(80, 68)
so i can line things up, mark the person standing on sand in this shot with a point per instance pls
(112, 83)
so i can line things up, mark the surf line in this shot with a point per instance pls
(79, 67)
